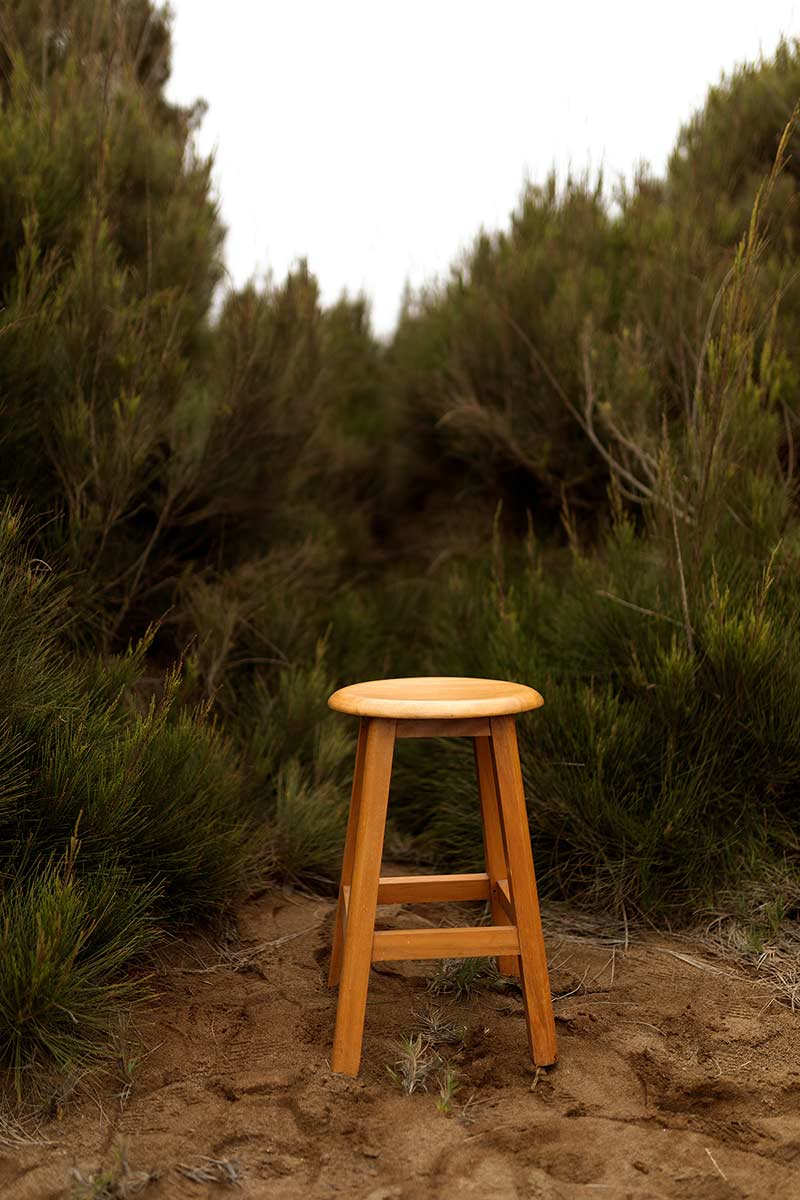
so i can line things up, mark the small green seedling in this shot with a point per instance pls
(460, 977)
(448, 1087)
(415, 1062)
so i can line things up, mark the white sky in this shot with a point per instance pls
(376, 137)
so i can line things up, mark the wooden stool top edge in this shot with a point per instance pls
(438, 697)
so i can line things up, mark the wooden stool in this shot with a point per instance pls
(482, 709)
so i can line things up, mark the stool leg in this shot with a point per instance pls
(494, 850)
(522, 883)
(335, 969)
(357, 957)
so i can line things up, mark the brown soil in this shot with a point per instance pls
(678, 1078)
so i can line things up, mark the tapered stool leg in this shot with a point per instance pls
(335, 969)
(357, 957)
(493, 843)
(522, 883)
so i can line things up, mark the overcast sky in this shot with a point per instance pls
(376, 137)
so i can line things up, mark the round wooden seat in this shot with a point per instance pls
(435, 697)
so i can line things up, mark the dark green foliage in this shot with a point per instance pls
(665, 764)
(587, 321)
(109, 249)
(113, 817)
(644, 767)
(173, 458)
(67, 941)
(460, 978)
(480, 367)
(725, 151)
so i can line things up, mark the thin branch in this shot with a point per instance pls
(648, 612)
(790, 465)
(701, 358)
(681, 572)
(647, 461)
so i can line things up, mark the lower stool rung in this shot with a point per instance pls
(421, 889)
(477, 942)
(425, 889)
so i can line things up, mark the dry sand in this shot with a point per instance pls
(675, 1080)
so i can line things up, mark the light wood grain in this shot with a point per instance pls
(422, 889)
(493, 843)
(444, 727)
(524, 899)
(434, 707)
(335, 968)
(400, 944)
(504, 896)
(368, 850)
(435, 696)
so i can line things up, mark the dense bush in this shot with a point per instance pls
(665, 765)
(656, 773)
(175, 479)
(480, 366)
(488, 378)
(168, 452)
(115, 815)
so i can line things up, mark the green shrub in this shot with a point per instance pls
(664, 766)
(116, 817)
(164, 454)
(656, 777)
(67, 941)
(480, 366)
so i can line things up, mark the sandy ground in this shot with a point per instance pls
(678, 1078)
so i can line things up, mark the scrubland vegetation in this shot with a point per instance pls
(575, 464)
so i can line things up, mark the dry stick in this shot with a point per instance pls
(587, 423)
(580, 985)
(681, 573)
(646, 1024)
(7, 328)
(709, 967)
(716, 1164)
(468, 408)
(790, 465)
(242, 957)
(701, 358)
(648, 612)
(648, 461)
(588, 428)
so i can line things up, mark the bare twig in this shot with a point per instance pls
(648, 612)
(716, 1164)
(225, 1171)
(681, 572)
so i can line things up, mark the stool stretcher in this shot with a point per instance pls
(428, 889)
(479, 941)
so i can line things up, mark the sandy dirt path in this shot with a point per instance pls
(676, 1080)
